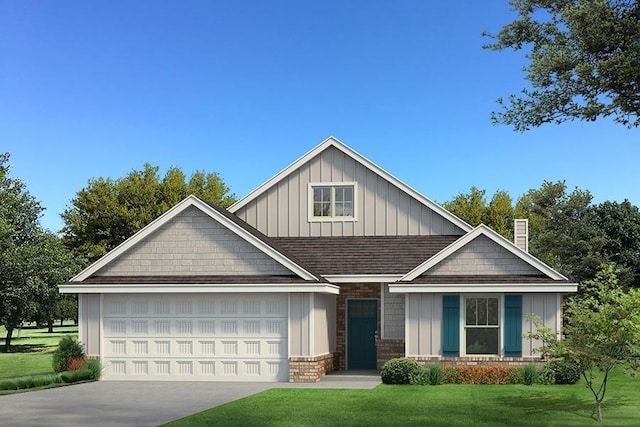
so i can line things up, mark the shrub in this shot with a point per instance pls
(514, 375)
(450, 375)
(546, 376)
(76, 376)
(529, 374)
(75, 364)
(484, 374)
(419, 377)
(95, 367)
(68, 349)
(435, 374)
(399, 370)
(566, 372)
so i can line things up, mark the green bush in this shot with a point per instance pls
(76, 376)
(514, 376)
(450, 375)
(529, 374)
(435, 374)
(419, 377)
(94, 367)
(399, 371)
(68, 349)
(547, 376)
(566, 372)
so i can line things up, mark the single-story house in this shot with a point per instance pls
(332, 264)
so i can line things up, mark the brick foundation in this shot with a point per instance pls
(388, 349)
(478, 361)
(310, 369)
(351, 291)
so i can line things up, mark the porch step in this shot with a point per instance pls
(353, 376)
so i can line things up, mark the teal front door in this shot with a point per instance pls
(362, 324)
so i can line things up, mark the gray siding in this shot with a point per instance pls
(192, 243)
(324, 324)
(548, 307)
(424, 327)
(393, 314)
(299, 324)
(482, 256)
(89, 323)
(381, 208)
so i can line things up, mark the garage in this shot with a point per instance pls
(195, 337)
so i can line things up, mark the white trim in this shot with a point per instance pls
(289, 336)
(332, 185)
(559, 316)
(485, 288)
(312, 324)
(483, 230)
(407, 334)
(359, 278)
(82, 322)
(463, 324)
(101, 328)
(134, 288)
(381, 332)
(332, 141)
(214, 214)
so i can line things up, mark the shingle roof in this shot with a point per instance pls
(363, 254)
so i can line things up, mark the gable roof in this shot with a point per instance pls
(483, 230)
(231, 222)
(348, 151)
(364, 255)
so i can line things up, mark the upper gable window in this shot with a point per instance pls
(332, 202)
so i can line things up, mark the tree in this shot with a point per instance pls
(603, 332)
(584, 61)
(470, 207)
(620, 224)
(107, 211)
(500, 214)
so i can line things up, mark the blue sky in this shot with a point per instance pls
(243, 88)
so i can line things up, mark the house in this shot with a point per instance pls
(332, 264)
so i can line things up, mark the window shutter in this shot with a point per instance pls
(513, 325)
(451, 325)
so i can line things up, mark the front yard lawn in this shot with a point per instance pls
(443, 405)
(31, 350)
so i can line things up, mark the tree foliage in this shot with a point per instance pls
(32, 261)
(107, 211)
(583, 61)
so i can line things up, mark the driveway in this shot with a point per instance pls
(132, 403)
(119, 403)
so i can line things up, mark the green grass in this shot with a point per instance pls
(443, 405)
(31, 351)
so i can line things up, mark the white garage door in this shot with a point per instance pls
(199, 337)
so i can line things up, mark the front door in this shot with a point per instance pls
(362, 324)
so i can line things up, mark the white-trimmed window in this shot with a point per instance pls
(332, 202)
(482, 325)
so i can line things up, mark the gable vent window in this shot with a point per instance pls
(330, 202)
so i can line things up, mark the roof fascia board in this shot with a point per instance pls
(359, 278)
(332, 141)
(488, 287)
(133, 288)
(172, 213)
(485, 231)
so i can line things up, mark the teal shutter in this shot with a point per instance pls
(451, 325)
(513, 325)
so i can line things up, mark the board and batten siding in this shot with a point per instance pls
(299, 324)
(549, 308)
(382, 209)
(89, 323)
(324, 312)
(424, 325)
(192, 243)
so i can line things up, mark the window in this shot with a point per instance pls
(482, 325)
(332, 202)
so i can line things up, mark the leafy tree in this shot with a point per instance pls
(67, 308)
(583, 61)
(107, 212)
(603, 332)
(470, 207)
(620, 224)
(500, 214)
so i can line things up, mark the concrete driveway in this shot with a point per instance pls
(119, 403)
(131, 403)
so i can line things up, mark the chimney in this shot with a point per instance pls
(521, 234)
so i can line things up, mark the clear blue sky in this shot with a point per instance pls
(243, 88)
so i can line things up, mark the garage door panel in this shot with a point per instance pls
(226, 338)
